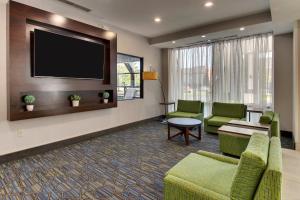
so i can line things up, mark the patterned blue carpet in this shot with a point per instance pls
(128, 164)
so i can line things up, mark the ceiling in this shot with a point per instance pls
(138, 15)
(284, 14)
(225, 34)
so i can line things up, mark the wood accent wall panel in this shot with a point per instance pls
(52, 93)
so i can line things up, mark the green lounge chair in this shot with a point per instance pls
(189, 109)
(208, 176)
(222, 113)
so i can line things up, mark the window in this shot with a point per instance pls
(236, 71)
(129, 70)
(190, 74)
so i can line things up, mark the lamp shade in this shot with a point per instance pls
(150, 75)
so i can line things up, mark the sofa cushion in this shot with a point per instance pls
(218, 120)
(189, 106)
(178, 189)
(205, 172)
(267, 117)
(229, 110)
(183, 114)
(252, 164)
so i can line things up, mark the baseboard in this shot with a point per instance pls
(63, 143)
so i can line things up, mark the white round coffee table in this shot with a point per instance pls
(184, 125)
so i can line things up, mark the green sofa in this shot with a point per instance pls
(189, 109)
(208, 176)
(222, 113)
(272, 118)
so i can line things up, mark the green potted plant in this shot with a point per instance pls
(105, 97)
(75, 100)
(29, 100)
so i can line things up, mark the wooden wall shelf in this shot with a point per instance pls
(51, 112)
(52, 93)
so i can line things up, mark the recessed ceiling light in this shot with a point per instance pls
(58, 19)
(173, 42)
(157, 19)
(208, 40)
(209, 4)
(242, 28)
(203, 36)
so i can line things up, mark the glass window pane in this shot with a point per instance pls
(129, 74)
(137, 80)
(124, 80)
(138, 93)
(136, 67)
(121, 68)
(120, 91)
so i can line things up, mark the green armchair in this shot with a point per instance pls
(222, 113)
(189, 109)
(272, 118)
(208, 176)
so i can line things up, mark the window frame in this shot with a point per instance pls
(141, 76)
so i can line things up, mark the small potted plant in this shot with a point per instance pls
(29, 100)
(75, 100)
(105, 97)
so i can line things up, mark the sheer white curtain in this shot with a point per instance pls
(239, 71)
(243, 71)
(190, 74)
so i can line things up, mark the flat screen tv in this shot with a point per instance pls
(61, 56)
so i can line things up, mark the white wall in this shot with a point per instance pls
(283, 82)
(296, 87)
(20, 135)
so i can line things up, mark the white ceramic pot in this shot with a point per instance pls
(75, 103)
(105, 100)
(29, 108)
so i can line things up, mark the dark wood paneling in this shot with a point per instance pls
(52, 93)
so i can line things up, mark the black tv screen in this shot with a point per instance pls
(61, 56)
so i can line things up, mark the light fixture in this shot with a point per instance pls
(208, 40)
(203, 36)
(157, 19)
(209, 4)
(173, 42)
(242, 28)
(110, 34)
(58, 19)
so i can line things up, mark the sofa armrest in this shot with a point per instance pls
(206, 121)
(219, 157)
(275, 126)
(169, 113)
(208, 117)
(200, 116)
(245, 111)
